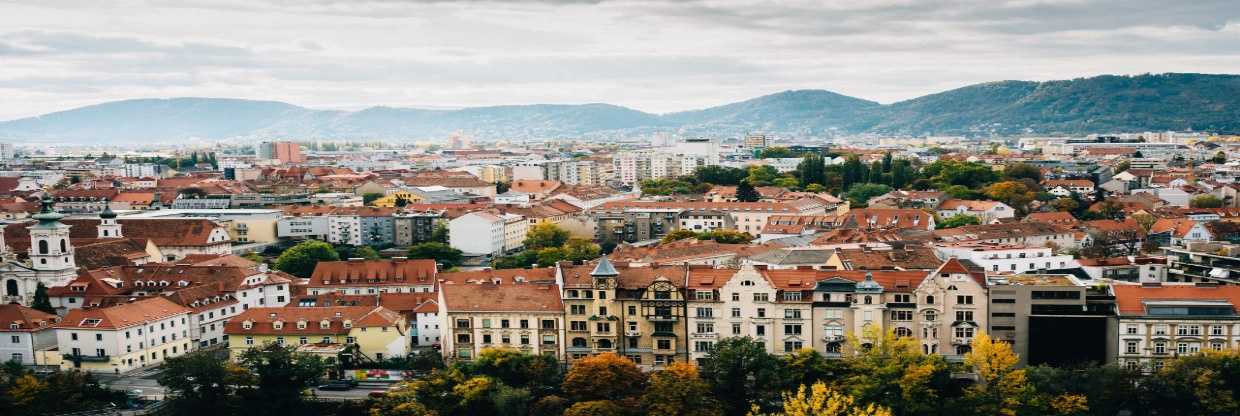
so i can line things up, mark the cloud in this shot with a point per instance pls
(652, 55)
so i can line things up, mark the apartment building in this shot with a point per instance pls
(370, 277)
(23, 332)
(124, 337)
(1007, 258)
(1204, 262)
(985, 211)
(413, 227)
(750, 217)
(1159, 322)
(1036, 312)
(524, 316)
(479, 233)
(375, 332)
(950, 308)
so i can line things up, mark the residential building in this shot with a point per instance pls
(123, 337)
(374, 332)
(24, 332)
(985, 211)
(1007, 258)
(525, 316)
(285, 152)
(1159, 322)
(951, 308)
(1036, 312)
(1204, 262)
(371, 277)
(479, 233)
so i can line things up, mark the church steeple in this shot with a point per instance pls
(108, 227)
(50, 250)
(604, 274)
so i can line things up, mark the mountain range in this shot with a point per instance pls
(1102, 104)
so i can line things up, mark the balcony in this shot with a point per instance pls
(962, 341)
(88, 358)
(704, 335)
(637, 333)
(834, 338)
(663, 318)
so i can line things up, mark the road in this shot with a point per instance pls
(146, 380)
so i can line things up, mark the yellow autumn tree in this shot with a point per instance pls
(821, 400)
(1002, 388)
(892, 370)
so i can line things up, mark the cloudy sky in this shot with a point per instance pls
(656, 56)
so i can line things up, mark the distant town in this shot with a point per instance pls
(667, 275)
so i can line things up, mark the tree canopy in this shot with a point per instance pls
(300, 259)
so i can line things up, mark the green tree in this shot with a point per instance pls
(973, 175)
(502, 187)
(1198, 384)
(892, 370)
(520, 260)
(1206, 201)
(859, 195)
(545, 235)
(442, 253)
(580, 249)
(300, 259)
(720, 175)
(547, 257)
(596, 408)
(1018, 171)
(958, 221)
(365, 252)
(775, 152)
(811, 170)
(440, 233)
(741, 373)
(538, 373)
(762, 175)
(1219, 158)
(254, 257)
(745, 192)
(902, 174)
(723, 236)
(279, 375)
(679, 391)
(41, 301)
(876, 173)
(679, 234)
(200, 383)
(806, 366)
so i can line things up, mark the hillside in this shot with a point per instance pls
(1085, 105)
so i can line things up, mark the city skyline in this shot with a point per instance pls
(652, 56)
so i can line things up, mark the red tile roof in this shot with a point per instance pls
(374, 272)
(27, 319)
(1131, 298)
(525, 297)
(123, 315)
(263, 320)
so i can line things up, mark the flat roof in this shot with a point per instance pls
(1036, 280)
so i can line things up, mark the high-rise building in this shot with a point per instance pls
(285, 152)
(755, 141)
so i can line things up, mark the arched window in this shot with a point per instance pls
(604, 344)
(579, 342)
(43, 247)
(868, 300)
(931, 316)
(10, 288)
(64, 245)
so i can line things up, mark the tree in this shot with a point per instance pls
(365, 252)
(892, 370)
(741, 373)
(1014, 193)
(1001, 388)
(279, 375)
(502, 187)
(678, 390)
(440, 233)
(821, 400)
(520, 260)
(580, 249)
(944, 173)
(605, 376)
(958, 220)
(1206, 201)
(544, 235)
(806, 366)
(41, 300)
(442, 253)
(1145, 220)
(902, 174)
(762, 175)
(1018, 171)
(723, 236)
(745, 192)
(1197, 384)
(861, 193)
(720, 175)
(678, 235)
(775, 152)
(300, 259)
(876, 173)
(368, 198)
(811, 170)
(254, 257)
(536, 372)
(1219, 158)
(596, 408)
(549, 256)
(200, 383)
(853, 171)
(1065, 204)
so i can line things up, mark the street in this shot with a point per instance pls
(146, 380)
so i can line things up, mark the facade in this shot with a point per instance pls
(414, 227)
(950, 308)
(372, 277)
(1158, 322)
(24, 332)
(285, 152)
(375, 332)
(525, 316)
(125, 337)
(515, 229)
(1007, 258)
(1035, 312)
(479, 233)
(50, 259)
(1204, 262)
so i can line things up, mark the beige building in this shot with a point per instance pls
(1157, 323)
(524, 316)
(951, 308)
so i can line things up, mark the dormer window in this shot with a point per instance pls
(348, 324)
(277, 325)
(247, 325)
(325, 324)
(14, 326)
(301, 324)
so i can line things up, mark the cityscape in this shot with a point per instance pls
(749, 242)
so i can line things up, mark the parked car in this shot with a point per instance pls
(339, 385)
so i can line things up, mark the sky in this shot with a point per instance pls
(655, 56)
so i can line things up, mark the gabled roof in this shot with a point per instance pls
(374, 272)
(123, 315)
(523, 297)
(263, 320)
(27, 319)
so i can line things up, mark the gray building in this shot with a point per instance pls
(377, 230)
(1053, 319)
(631, 225)
(414, 227)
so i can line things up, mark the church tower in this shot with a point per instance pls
(108, 227)
(50, 251)
(604, 274)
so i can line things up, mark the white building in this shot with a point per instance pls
(23, 332)
(344, 229)
(124, 337)
(1157, 323)
(50, 259)
(478, 233)
(515, 228)
(1007, 258)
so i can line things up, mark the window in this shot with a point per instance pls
(1130, 347)
(704, 295)
(736, 312)
(663, 344)
(964, 316)
(736, 297)
(761, 312)
(705, 328)
(903, 298)
(632, 310)
(705, 313)
(760, 330)
(790, 346)
(792, 314)
(462, 323)
(964, 332)
(1216, 330)
(930, 300)
(761, 297)
(548, 324)
(525, 324)
(901, 315)
(792, 329)
(603, 326)
(486, 323)
(964, 299)
(504, 323)
(249, 340)
(577, 309)
(1188, 330)
(462, 338)
(486, 338)
(792, 296)
(1160, 347)
(1132, 329)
